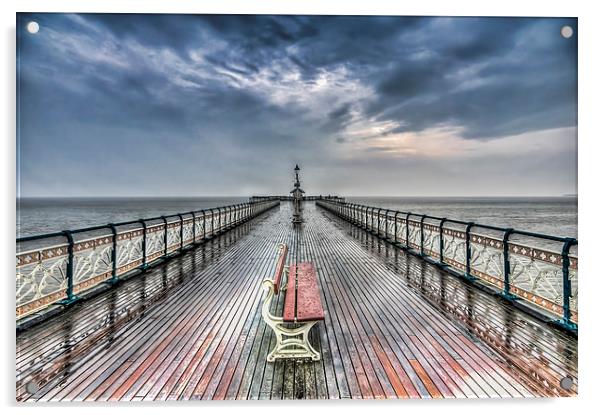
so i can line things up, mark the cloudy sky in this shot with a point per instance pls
(159, 105)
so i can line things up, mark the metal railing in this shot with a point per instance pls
(539, 269)
(56, 267)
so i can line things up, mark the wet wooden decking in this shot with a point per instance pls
(396, 327)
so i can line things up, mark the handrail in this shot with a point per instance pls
(479, 257)
(48, 274)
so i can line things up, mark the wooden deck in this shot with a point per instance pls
(396, 327)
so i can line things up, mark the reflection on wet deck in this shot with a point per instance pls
(191, 328)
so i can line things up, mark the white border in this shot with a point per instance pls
(590, 71)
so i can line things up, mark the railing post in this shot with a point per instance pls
(506, 293)
(408, 230)
(181, 231)
(372, 219)
(71, 298)
(395, 219)
(164, 236)
(113, 279)
(144, 265)
(378, 221)
(467, 274)
(204, 225)
(212, 223)
(566, 285)
(366, 217)
(387, 224)
(423, 217)
(193, 228)
(219, 219)
(441, 242)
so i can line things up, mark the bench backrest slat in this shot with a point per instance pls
(280, 268)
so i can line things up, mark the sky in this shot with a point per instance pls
(223, 105)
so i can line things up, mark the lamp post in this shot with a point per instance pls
(297, 197)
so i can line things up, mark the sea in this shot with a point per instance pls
(549, 215)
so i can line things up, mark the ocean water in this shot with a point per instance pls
(548, 215)
(44, 215)
(551, 215)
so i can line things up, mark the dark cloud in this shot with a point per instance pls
(212, 92)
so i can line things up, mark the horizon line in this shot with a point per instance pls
(283, 195)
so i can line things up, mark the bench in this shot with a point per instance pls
(302, 308)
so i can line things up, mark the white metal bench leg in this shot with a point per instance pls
(290, 342)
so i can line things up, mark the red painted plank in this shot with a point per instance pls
(309, 305)
(289, 301)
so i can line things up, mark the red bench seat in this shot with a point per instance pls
(302, 302)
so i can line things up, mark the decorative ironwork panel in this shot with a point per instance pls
(173, 236)
(211, 224)
(401, 230)
(372, 220)
(41, 278)
(391, 226)
(129, 250)
(536, 275)
(431, 240)
(92, 262)
(222, 220)
(155, 245)
(188, 231)
(200, 228)
(414, 235)
(380, 221)
(487, 259)
(454, 248)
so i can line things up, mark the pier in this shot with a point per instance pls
(189, 327)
